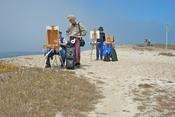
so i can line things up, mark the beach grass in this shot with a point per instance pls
(32, 92)
(170, 46)
(154, 100)
(166, 54)
(6, 67)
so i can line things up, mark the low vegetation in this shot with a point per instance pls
(143, 48)
(5, 67)
(167, 54)
(154, 100)
(163, 46)
(32, 92)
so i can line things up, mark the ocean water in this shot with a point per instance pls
(15, 54)
(23, 53)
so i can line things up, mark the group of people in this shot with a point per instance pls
(75, 31)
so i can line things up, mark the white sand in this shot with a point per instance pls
(119, 78)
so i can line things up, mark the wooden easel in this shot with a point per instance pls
(52, 38)
(53, 42)
(109, 39)
(94, 37)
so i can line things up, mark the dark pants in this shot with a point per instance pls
(62, 53)
(99, 50)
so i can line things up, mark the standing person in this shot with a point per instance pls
(61, 51)
(99, 47)
(75, 31)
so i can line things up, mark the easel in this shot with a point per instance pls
(109, 39)
(94, 35)
(53, 42)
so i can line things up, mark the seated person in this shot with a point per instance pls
(61, 51)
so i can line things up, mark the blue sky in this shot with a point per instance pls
(23, 22)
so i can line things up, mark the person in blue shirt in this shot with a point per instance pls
(99, 47)
(61, 51)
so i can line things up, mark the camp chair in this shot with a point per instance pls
(53, 42)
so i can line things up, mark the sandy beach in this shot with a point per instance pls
(131, 86)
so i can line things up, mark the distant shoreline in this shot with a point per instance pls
(4, 55)
(26, 53)
(16, 54)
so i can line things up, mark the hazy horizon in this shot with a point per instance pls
(22, 23)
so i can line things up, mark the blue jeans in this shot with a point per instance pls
(62, 53)
(99, 50)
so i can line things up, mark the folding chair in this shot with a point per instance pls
(53, 42)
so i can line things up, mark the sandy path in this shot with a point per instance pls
(134, 67)
(117, 79)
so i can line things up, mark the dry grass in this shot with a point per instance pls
(163, 46)
(36, 93)
(154, 100)
(145, 85)
(166, 54)
(143, 48)
(5, 67)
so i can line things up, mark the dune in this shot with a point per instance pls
(133, 86)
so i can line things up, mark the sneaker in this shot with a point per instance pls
(77, 64)
(47, 66)
(62, 66)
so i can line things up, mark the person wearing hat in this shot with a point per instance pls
(61, 51)
(99, 47)
(75, 31)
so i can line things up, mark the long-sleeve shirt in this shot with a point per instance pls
(102, 37)
(74, 30)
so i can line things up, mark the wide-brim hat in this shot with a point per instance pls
(100, 28)
(71, 17)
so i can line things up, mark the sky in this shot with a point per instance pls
(23, 22)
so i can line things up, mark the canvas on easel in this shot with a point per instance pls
(52, 37)
(109, 39)
(53, 42)
(94, 35)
